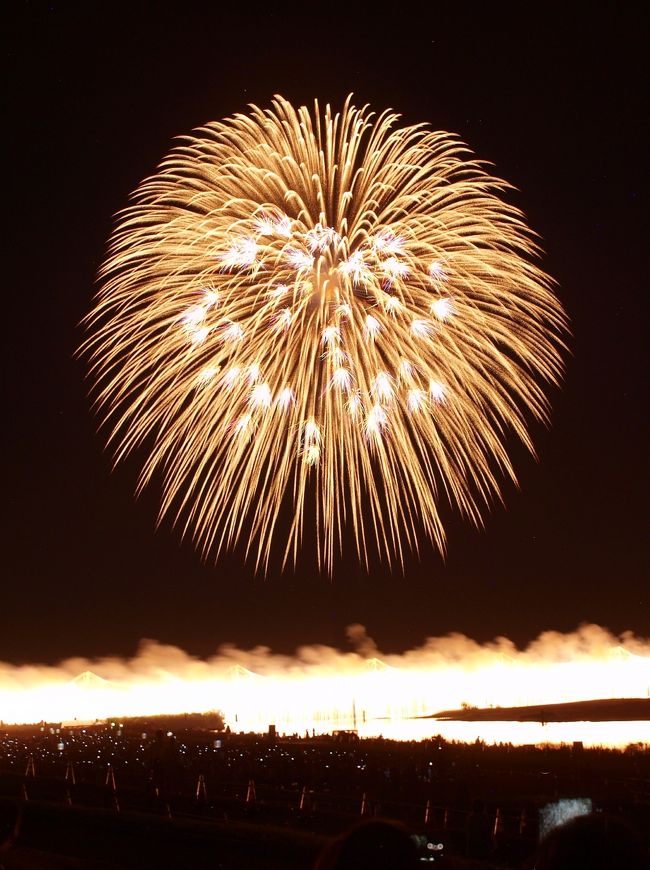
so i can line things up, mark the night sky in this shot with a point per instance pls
(95, 99)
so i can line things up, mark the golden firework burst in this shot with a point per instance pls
(326, 316)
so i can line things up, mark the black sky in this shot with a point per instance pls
(96, 94)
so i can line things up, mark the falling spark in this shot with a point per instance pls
(373, 326)
(376, 422)
(442, 308)
(261, 396)
(421, 328)
(231, 376)
(300, 260)
(437, 391)
(395, 269)
(241, 254)
(233, 332)
(331, 335)
(382, 387)
(436, 271)
(311, 432)
(342, 379)
(356, 268)
(199, 335)
(193, 316)
(207, 374)
(393, 304)
(416, 399)
(284, 319)
(280, 290)
(242, 425)
(367, 231)
(354, 405)
(388, 243)
(286, 398)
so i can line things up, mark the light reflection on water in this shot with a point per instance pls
(609, 734)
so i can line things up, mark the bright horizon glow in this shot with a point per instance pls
(324, 689)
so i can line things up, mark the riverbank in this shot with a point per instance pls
(602, 710)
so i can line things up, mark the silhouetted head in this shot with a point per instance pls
(597, 841)
(376, 844)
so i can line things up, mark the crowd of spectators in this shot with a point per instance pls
(473, 792)
(174, 756)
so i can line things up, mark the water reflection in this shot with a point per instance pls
(609, 734)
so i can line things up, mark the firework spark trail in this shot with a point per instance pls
(322, 304)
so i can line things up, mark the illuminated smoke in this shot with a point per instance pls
(319, 686)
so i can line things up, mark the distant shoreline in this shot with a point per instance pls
(603, 710)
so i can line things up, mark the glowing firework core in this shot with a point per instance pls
(324, 303)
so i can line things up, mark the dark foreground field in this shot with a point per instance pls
(108, 798)
(56, 836)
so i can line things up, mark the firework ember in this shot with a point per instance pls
(329, 318)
